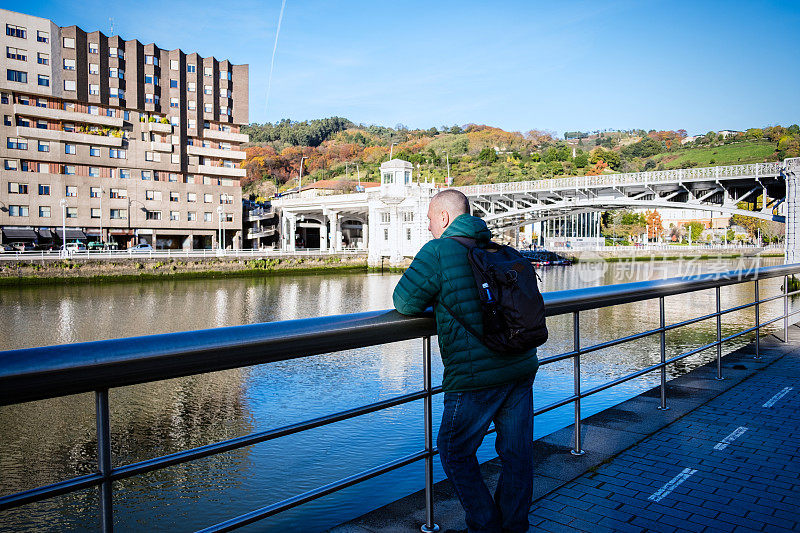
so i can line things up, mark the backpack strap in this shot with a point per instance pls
(466, 326)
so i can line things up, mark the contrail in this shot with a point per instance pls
(272, 63)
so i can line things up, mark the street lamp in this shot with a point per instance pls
(300, 179)
(449, 182)
(102, 240)
(63, 204)
(391, 150)
(219, 231)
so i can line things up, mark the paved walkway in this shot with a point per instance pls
(731, 464)
(725, 456)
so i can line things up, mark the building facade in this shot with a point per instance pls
(117, 140)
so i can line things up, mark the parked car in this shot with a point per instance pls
(4, 248)
(23, 246)
(99, 245)
(141, 247)
(75, 247)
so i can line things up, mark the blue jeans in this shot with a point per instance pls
(465, 420)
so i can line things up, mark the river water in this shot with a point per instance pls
(47, 441)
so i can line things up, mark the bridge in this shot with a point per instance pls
(391, 221)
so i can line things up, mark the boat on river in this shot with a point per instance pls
(545, 258)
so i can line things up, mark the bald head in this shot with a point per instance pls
(445, 207)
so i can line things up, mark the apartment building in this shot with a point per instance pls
(117, 140)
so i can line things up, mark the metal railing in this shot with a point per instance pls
(47, 372)
(54, 255)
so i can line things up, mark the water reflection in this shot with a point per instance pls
(43, 442)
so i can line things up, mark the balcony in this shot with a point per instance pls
(225, 136)
(221, 171)
(215, 152)
(264, 232)
(161, 147)
(259, 214)
(158, 126)
(68, 136)
(68, 116)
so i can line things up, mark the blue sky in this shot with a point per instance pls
(556, 66)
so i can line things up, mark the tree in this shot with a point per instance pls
(695, 229)
(655, 228)
(488, 156)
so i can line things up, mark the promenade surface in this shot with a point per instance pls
(725, 457)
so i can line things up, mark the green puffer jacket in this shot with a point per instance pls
(441, 272)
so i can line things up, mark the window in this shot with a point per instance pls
(151, 98)
(225, 198)
(44, 146)
(72, 212)
(94, 151)
(117, 153)
(191, 216)
(207, 217)
(42, 59)
(69, 42)
(41, 102)
(44, 190)
(191, 68)
(7, 120)
(18, 210)
(189, 178)
(43, 168)
(94, 88)
(151, 60)
(408, 216)
(228, 217)
(94, 68)
(94, 48)
(95, 212)
(17, 75)
(16, 31)
(44, 211)
(173, 178)
(386, 217)
(147, 175)
(69, 127)
(225, 75)
(16, 53)
(10, 164)
(72, 190)
(116, 73)
(388, 177)
(69, 149)
(191, 87)
(208, 198)
(41, 124)
(152, 195)
(119, 214)
(4, 98)
(94, 172)
(174, 215)
(191, 105)
(69, 85)
(408, 234)
(17, 188)
(208, 108)
(174, 64)
(94, 192)
(207, 89)
(117, 193)
(207, 180)
(192, 124)
(42, 36)
(385, 234)
(191, 197)
(69, 64)
(173, 84)
(115, 92)
(69, 170)
(174, 197)
(153, 215)
(173, 102)
(44, 81)
(116, 52)
(152, 80)
(152, 156)
(124, 173)
(17, 143)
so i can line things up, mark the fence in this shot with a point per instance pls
(40, 373)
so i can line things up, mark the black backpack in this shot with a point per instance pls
(513, 307)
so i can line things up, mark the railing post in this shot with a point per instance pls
(786, 308)
(429, 526)
(104, 459)
(663, 339)
(758, 322)
(719, 336)
(576, 376)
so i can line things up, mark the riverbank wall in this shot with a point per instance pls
(673, 253)
(88, 270)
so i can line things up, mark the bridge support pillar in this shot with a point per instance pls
(792, 212)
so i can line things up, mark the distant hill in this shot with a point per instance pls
(336, 147)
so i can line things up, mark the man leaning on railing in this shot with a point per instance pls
(479, 385)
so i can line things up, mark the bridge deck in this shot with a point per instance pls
(724, 457)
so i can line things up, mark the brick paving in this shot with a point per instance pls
(730, 465)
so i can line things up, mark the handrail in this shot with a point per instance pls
(37, 373)
(45, 372)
